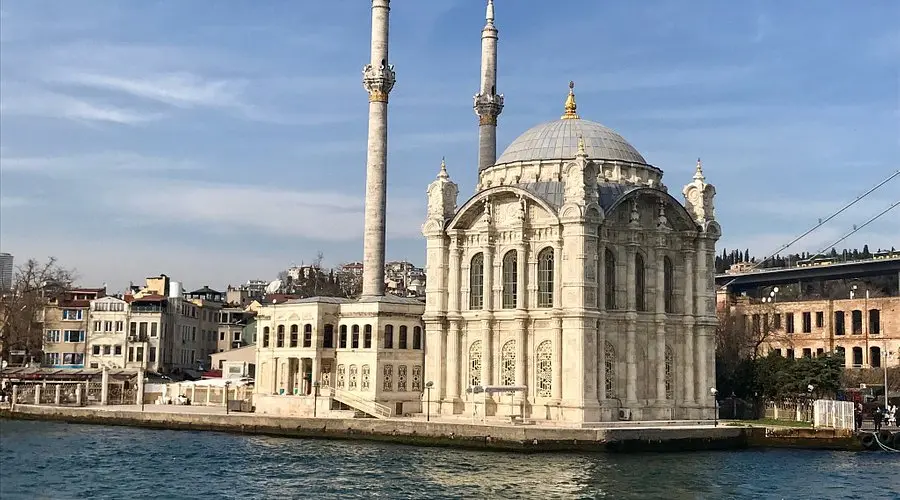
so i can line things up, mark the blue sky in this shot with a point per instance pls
(222, 141)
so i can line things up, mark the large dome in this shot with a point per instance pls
(558, 140)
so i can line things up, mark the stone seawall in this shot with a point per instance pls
(412, 432)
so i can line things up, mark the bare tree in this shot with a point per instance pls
(350, 283)
(34, 285)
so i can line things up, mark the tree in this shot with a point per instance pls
(349, 283)
(34, 285)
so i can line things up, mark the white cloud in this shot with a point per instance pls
(176, 89)
(32, 101)
(81, 165)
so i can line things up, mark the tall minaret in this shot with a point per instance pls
(488, 104)
(378, 80)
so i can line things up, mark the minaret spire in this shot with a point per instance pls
(378, 80)
(488, 104)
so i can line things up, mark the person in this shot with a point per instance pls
(858, 416)
(876, 417)
(892, 416)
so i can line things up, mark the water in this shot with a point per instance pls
(57, 460)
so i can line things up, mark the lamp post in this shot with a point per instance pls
(713, 391)
(315, 397)
(428, 387)
(884, 366)
(809, 391)
(227, 384)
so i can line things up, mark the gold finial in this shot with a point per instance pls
(570, 104)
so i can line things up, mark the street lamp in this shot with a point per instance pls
(884, 366)
(227, 384)
(428, 387)
(713, 391)
(315, 397)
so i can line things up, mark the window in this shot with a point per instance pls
(820, 319)
(367, 337)
(807, 322)
(96, 350)
(351, 385)
(118, 350)
(236, 336)
(279, 339)
(143, 329)
(875, 356)
(609, 369)
(839, 328)
(222, 335)
(857, 356)
(341, 373)
(401, 344)
(388, 378)
(789, 320)
(755, 326)
(417, 337)
(364, 382)
(52, 335)
(266, 337)
(857, 321)
(475, 363)
(508, 363)
(610, 271)
(73, 336)
(820, 352)
(152, 358)
(777, 318)
(510, 279)
(544, 369)
(72, 314)
(807, 352)
(545, 278)
(307, 335)
(840, 352)
(295, 335)
(790, 354)
(51, 358)
(670, 373)
(417, 378)
(355, 337)
(107, 350)
(388, 336)
(343, 337)
(153, 329)
(874, 321)
(120, 326)
(639, 284)
(133, 329)
(98, 326)
(669, 285)
(777, 352)
(401, 378)
(476, 282)
(328, 337)
(73, 358)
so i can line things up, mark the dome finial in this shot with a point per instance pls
(699, 173)
(443, 173)
(570, 113)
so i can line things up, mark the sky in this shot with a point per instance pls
(223, 141)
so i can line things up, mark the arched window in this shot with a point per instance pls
(609, 261)
(354, 337)
(364, 382)
(669, 284)
(351, 385)
(328, 337)
(545, 278)
(840, 352)
(388, 336)
(266, 336)
(279, 339)
(545, 369)
(610, 370)
(476, 282)
(510, 279)
(367, 337)
(388, 383)
(475, 364)
(417, 377)
(294, 336)
(401, 378)
(401, 342)
(343, 337)
(417, 337)
(875, 357)
(307, 335)
(639, 288)
(508, 363)
(670, 373)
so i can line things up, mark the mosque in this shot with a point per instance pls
(571, 287)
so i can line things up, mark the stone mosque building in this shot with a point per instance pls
(571, 278)
(571, 285)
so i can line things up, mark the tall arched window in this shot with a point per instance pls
(342, 340)
(401, 342)
(475, 364)
(417, 337)
(609, 261)
(545, 369)
(294, 336)
(307, 335)
(639, 285)
(508, 363)
(266, 336)
(476, 282)
(388, 336)
(354, 337)
(328, 337)
(545, 278)
(609, 369)
(670, 373)
(367, 337)
(510, 279)
(669, 284)
(279, 339)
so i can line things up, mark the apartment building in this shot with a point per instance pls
(106, 340)
(232, 324)
(66, 322)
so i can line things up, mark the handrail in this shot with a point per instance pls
(369, 406)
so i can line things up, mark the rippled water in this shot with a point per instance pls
(56, 460)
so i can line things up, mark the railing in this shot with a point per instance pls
(377, 410)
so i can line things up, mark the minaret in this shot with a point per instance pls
(378, 80)
(488, 104)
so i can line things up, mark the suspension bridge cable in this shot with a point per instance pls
(857, 228)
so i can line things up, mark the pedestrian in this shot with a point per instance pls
(892, 416)
(876, 417)
(858, 416)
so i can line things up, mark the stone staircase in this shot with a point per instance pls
(362, 405)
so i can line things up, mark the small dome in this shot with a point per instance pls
(558, 140)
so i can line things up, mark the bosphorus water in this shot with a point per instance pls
(58, 460)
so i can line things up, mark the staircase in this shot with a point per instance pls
(363, 405)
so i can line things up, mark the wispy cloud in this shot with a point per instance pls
(14, 201)
(184, 90)
(32, 101)
(83, 165)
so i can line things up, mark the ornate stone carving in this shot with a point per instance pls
(379, 81)
(699, 197)
(442, 195)
(488, 107)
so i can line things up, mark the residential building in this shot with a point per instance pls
(107, 340)
(232, 322)
(6, 271)
(66, 323)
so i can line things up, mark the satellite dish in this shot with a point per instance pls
(273, 287)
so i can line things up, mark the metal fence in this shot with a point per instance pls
(833, 414)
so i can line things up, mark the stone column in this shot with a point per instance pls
(37, 394)
(630, 327)
(687, 359)
(378, 80)
(521, 356)
(453, 281)
(521, 276)
(140, 386)
(700, 356)
(557, 360)
(601, 323)
(489, 295)
(276, 366)
(660, 321)
(56, 395)
(453, 365)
